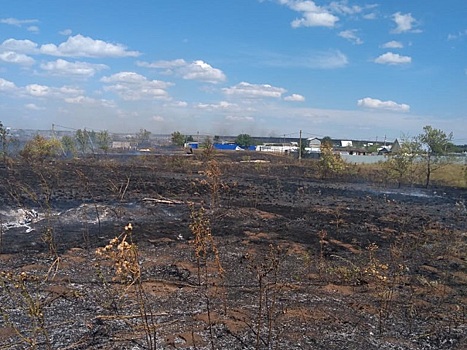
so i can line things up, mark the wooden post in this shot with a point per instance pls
(300, 147)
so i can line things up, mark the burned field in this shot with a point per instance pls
(226, 254)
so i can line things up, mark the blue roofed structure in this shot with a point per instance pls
(231, 147)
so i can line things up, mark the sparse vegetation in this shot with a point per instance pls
(40, 149)
(103, 141)
(402, 164)
(68, 146)
(436, 144)
(83, 141)
(23, 289)
(4, 141)
(208, 149)
(123, 254)
(331, 164)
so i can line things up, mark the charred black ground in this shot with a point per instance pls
(347, 263)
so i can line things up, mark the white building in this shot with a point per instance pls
(313, 145)
(277, 148)
(121, 144)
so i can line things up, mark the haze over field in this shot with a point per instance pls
(349, 69)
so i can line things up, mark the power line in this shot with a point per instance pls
(311, 134)
(74, 129)
(64, 127)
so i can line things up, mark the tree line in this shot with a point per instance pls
(429, 150)
(426, 152)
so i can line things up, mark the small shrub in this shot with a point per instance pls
(40, 149)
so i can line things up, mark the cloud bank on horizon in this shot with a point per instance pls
(342, 68)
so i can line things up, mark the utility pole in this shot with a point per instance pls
(300, 147)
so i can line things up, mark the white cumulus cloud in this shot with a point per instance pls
(17, 22)
(158, 118)
(133, 86)
(163, 64)
(351, 35)
(82, 46)
(81, 99)
(312, 14)
(37, 90)
(16, 58)
(21, 46)
(214, 106)
(344, 8)
(65, 68)
(33, 107)
(294, 98)
(196, 70)
(66, 32)
(237, 118)
(458, 35)
(393, 59)
(180, 104)
(404, 23)
(134, 78)
(200, 70)
(248, 90)
(6, 85)
(374, 103)
(33, 29)
(392, 45)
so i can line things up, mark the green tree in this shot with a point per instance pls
(178, 138)
(401, 164)
(39, 149)
(143, 136)
(68, 146)
(330, 164)
(302, 144)
(372, 148)
(4, 141)
(207, 143)
(103, 140)
(244, 141)
(327, 140)
(208, 149)
(92, 136)
(435, 143)
(82, 140)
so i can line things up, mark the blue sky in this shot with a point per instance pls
(345, 69)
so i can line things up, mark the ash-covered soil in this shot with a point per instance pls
(292, 262)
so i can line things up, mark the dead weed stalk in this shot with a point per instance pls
(205, 252)
(123, 254)
(22, 293)
(266, 270)
(386, 278)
